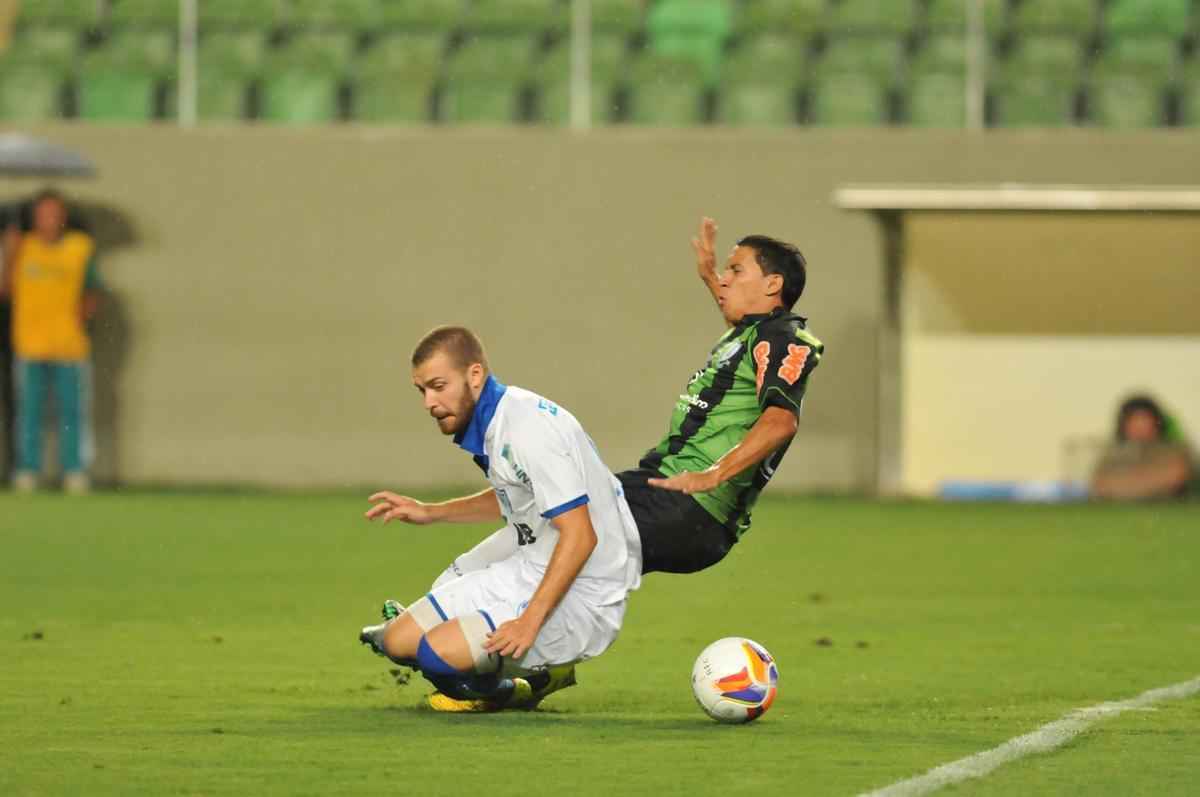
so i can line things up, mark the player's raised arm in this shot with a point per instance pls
(704, 245)
(477, 508)
(576, 541)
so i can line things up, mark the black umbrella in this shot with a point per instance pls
(25, 155)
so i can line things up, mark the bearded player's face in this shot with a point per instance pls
(449, 391)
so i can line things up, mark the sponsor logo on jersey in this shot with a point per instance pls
(793, 364)
(505, 504)
(507, 455)
(687, 399)
(726, 353)
(762, 355)
(548, 406)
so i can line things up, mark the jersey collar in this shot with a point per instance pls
(471, 438)
(754, 318)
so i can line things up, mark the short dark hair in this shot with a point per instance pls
(463, 346)
(48, 193)
(779, 257)
(1140, 403)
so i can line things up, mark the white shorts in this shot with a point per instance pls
(575, 631)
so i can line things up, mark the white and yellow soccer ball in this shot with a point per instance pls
(735, 680)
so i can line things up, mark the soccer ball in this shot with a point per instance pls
(735, 680)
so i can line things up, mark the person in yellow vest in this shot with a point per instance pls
(55, 292)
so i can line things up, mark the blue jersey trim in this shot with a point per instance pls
(437, 606)
(550, 514)
(488, 617)
(471, 438)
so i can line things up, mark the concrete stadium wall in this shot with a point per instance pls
(268, 283)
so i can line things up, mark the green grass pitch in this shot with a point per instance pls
(156, 643)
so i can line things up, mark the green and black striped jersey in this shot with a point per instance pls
(763, 361)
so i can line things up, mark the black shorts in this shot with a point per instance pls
(678, 535)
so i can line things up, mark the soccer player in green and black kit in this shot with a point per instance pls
(692, 493)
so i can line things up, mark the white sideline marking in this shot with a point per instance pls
(1043, 740)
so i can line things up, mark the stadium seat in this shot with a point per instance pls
(160, 14)
(299, 95)
(757, 104)
(1035, 100)
(690, 30)
(346, 15)
(607, 71)
(326, 51)
(1147, 54)
(1141, 17)
(1126, 101)
(554, 101)
(622, 17)
(381, 98)
(220, 95)
(667, 91)
(515, 16)
(944, 52)
(849, 99)
(76, 15)
(150, 50)
(950, 16)
(1076, 17)
(421, 15)
(57, 48)
(419, 54)
(767, 57)
(485, 79)
(260, 15)
(232, 52)
(874, 16)
(116, 94)
(29, 93)
(875, 55)
(937, 100)
(796, 17)
(478, 101)
(1041, 55)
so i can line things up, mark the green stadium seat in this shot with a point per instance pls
(418, 54)
(485, 79)
(553, 74)
(937, 100)
(622, 17)
(849, 99)
(796, 17)
(53, 47)
(608, 62)
(324, 51)
(299, 95)
(943, 52)
(554, 101)
(1076, 17)
(221, 95)
(480, 101)
(950, 16)
(116, 94)
(29, 93)
(515, 17)
(1035, 100)
(667, 91)
(766, 58)
(260, 15)
(1039, 55)
(150, 50)
(1126, 101)
(690, 30)
(421, 15)
(757, 104)
(232, 52)
(381, 98)
(350, 15)
(1152, 54)
(492, 57)
(77, 15)
(163, 14)
(1141, 17)
(875, 55)
(874, 16)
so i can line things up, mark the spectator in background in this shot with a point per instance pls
(1149, 458)
(54, 286)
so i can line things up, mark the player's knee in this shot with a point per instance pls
(456, 647)
(401, 637)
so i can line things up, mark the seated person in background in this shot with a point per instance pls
(1149, 457)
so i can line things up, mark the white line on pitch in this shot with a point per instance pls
(1043, 740)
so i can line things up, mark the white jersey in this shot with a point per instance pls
(542, 463)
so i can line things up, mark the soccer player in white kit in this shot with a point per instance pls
(487, 639)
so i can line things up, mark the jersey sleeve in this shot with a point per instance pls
(553, 464)
(783, 359)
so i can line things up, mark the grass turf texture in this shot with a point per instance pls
(205, 644)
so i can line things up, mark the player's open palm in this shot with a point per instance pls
(705, 247)
(514, 638)
(390, 506)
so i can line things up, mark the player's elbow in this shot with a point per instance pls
(783, 423)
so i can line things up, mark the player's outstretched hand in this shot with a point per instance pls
(514, 638)
(390, 506)
(705, 246)
(689, 482)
